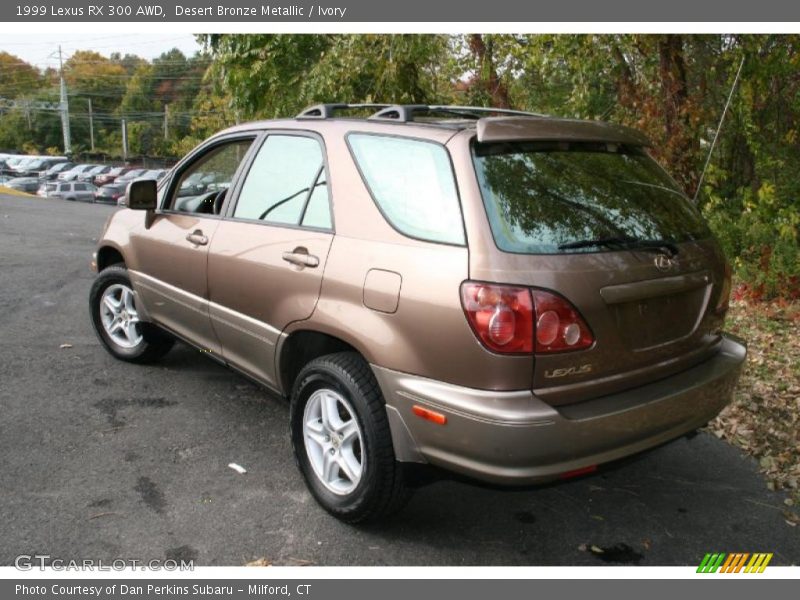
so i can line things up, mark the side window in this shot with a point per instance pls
(80, 187)
(201, 187)
(286, 184)
(412, 182)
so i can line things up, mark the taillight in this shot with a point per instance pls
(559, 326)
(516, 320)
(500, 315)
(725, 290)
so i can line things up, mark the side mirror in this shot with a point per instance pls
(142, 195)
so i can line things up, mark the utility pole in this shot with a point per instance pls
(64, 107)
(124, 140)
(91, 124)
(166, 121)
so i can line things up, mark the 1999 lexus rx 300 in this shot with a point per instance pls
(508, 296)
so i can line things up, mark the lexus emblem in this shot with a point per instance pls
(664, 262)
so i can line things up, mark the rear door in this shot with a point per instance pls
(268, 255)
(601, 225)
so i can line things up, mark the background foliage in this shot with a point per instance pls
(673, 87)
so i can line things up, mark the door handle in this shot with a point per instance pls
(301, 258)
(197, 238)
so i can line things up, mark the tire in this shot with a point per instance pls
(115, 320)
(344, 380)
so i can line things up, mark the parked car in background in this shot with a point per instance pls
(68, 190)
(110, 176)
(73, 173)
(110, 193)
(23, 184)
(154, 174)
(130, 175)
(90, 174)
(201, 182)
(13, 161)
(52, 173)
(38, 166)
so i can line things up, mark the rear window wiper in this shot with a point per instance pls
(626, 243)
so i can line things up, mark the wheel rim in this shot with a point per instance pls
(119, 316)
(333, 441)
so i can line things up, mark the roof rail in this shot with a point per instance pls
(486, 109)
(404, 113)
(326, 111)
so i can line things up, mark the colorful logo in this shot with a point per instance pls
(734, 563)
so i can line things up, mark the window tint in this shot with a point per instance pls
(541, 197)
(203, 184)
(286, 184)
(412, 182)
(80, 187)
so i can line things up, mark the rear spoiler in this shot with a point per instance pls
(549, 129)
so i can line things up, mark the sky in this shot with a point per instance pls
(42, 50)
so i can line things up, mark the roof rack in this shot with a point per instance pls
(405, 113)
(327, 111)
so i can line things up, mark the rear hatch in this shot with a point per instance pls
(599, 223)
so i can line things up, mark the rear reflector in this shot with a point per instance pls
(429, 415)
(578, 472)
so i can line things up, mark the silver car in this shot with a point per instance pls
(71, 190)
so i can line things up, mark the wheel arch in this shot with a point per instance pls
(108, 255)
(301, 347)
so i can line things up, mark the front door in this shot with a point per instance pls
(268, 255)
(171, 255)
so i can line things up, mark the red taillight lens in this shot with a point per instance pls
(559, 326)
(725, 290)
(516, 320)
(500, 315)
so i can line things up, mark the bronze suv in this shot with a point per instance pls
(512, 297)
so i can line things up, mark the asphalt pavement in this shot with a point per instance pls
(102, 459)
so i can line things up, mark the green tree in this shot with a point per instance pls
(278, 75)
(17, 78)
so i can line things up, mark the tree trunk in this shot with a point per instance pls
(681, 143)
(487, 78)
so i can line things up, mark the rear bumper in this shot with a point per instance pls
(516, 438)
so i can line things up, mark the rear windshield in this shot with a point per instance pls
(540, 196)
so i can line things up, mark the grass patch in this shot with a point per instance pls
(13, 192)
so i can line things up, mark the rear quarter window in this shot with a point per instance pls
(412, 183)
